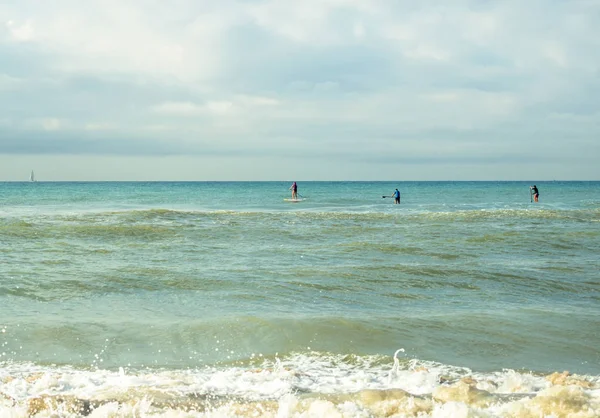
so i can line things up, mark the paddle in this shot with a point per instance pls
(386, 196)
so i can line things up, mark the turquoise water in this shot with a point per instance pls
(121, 291)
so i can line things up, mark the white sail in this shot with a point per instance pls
(31, 176)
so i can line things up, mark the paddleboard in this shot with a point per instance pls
(294, 200)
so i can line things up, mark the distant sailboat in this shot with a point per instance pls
(32, 176)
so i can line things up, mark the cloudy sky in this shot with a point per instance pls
(303, 90)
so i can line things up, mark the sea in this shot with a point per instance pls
(222, 299)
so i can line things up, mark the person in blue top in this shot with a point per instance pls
(396, 196)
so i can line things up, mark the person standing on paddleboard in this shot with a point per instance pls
(535, 192)
(396, 196)
(294, 189)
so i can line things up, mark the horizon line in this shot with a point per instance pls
(284, 180)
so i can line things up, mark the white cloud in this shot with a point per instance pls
(219, 107)
(179, 108)
(556, 53)
(99, 127)
(215, 107)
(51, 124)
(359, 30)
(442, 97)
(257, 100)
(111, 37)
(419, 78)
(192, 109)
(9, 83)
(43, 124)
(21, 32)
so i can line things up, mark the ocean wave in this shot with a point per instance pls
(167, 215)
(297, 385)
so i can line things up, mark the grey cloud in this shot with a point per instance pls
(348, 97)
(24, 60)
(60, 143)
(257, 61)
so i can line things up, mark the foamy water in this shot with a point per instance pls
(299, 385)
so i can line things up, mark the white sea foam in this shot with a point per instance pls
(300, 385)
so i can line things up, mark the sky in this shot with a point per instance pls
(103, 90)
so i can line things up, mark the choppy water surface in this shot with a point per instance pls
(222, 299)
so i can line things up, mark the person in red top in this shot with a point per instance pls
(294, 189)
